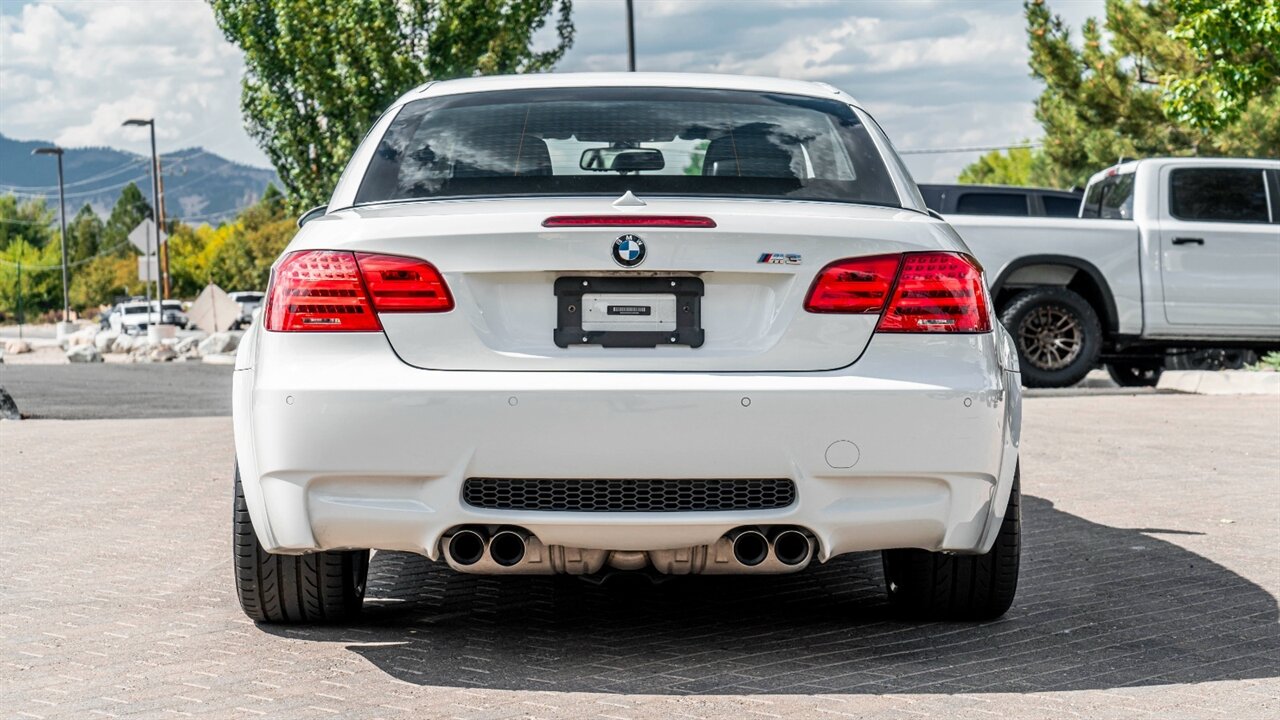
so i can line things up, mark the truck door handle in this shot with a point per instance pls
(1188, 241)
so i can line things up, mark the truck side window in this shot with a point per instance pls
(1218, 195)
(1110, 199)
(980, 203)
(1057, 206)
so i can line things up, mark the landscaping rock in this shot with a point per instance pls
(122, 344)
(16, 347)
(162, 353)
(82, 337)
(189, 345)
(219, 343)
(104, 341)
(84, 354)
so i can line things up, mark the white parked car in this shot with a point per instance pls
(133, 318)
(249, 301)
(571, 323)
(1174, 261)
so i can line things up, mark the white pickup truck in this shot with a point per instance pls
(1170, 257)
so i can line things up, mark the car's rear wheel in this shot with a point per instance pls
(315, 588)
(927, 585)
(1057, 333)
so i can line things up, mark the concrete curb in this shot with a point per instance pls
(1220, 382)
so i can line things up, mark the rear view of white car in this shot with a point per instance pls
(579, 323)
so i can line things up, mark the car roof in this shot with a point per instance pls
(1131, 166)
(1002, 188)
(711, 81)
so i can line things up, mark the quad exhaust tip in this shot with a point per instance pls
(507, 548)
(791, 547)
(750, 547)
(466, 547)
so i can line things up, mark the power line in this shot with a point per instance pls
(91, 258)
(975, 148)
(52, 189)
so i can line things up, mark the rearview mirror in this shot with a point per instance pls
(618, 159)
(312, 214)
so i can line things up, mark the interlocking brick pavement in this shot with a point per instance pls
(1149, 588)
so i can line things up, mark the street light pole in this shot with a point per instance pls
(631, 38)
(155, 213)
(62, 214)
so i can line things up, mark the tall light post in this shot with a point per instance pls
(631, 38)
(155, 212)
(63, 328)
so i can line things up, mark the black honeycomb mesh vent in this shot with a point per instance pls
(628, 495)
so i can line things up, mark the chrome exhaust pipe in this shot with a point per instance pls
(750, 547)
(792, 547)
(466, 547)
(506, 548)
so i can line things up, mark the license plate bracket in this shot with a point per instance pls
(570, 312)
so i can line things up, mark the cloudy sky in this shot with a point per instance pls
(935, 73)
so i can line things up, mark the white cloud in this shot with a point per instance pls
(72, 73)
(934, 73)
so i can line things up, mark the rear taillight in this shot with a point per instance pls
(914, 292)
(937, 292)
(403, 284)
(329, 291)
(857, 285)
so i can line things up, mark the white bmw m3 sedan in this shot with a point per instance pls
(677, 324)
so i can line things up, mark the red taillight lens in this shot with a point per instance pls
(402, 284)
(319, 290)
(937, 292)
(329, 291)
(857, 285)
(931, 292)
(680, 221)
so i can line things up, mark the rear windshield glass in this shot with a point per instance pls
(604, 141)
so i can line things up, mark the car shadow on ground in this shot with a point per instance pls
(1098, 607)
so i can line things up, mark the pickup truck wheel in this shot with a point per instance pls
(315, 588)
(1211, 359)
(1058, 336)
(927, 585)
(1135, 373)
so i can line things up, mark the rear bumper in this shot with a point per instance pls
(341, 445)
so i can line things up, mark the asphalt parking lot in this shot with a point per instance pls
(1149, 588)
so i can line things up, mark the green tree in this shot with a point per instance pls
(1236, 47)
(31, 220)
(85, 235)
(318, 73)
(1105, 99)
(129, 210)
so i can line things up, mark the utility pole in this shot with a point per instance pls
(163, 259)
(631, 38)
(64, 328)
(155, 211)
(19, 297)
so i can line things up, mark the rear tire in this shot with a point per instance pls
(1211, 359)
(1057, 333)
(1135, 374)
(927, 585)
(315, 588)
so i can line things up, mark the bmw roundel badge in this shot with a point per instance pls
(628, 251)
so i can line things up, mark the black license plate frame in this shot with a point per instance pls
(688, 330)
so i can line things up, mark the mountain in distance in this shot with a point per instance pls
(199, 186)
